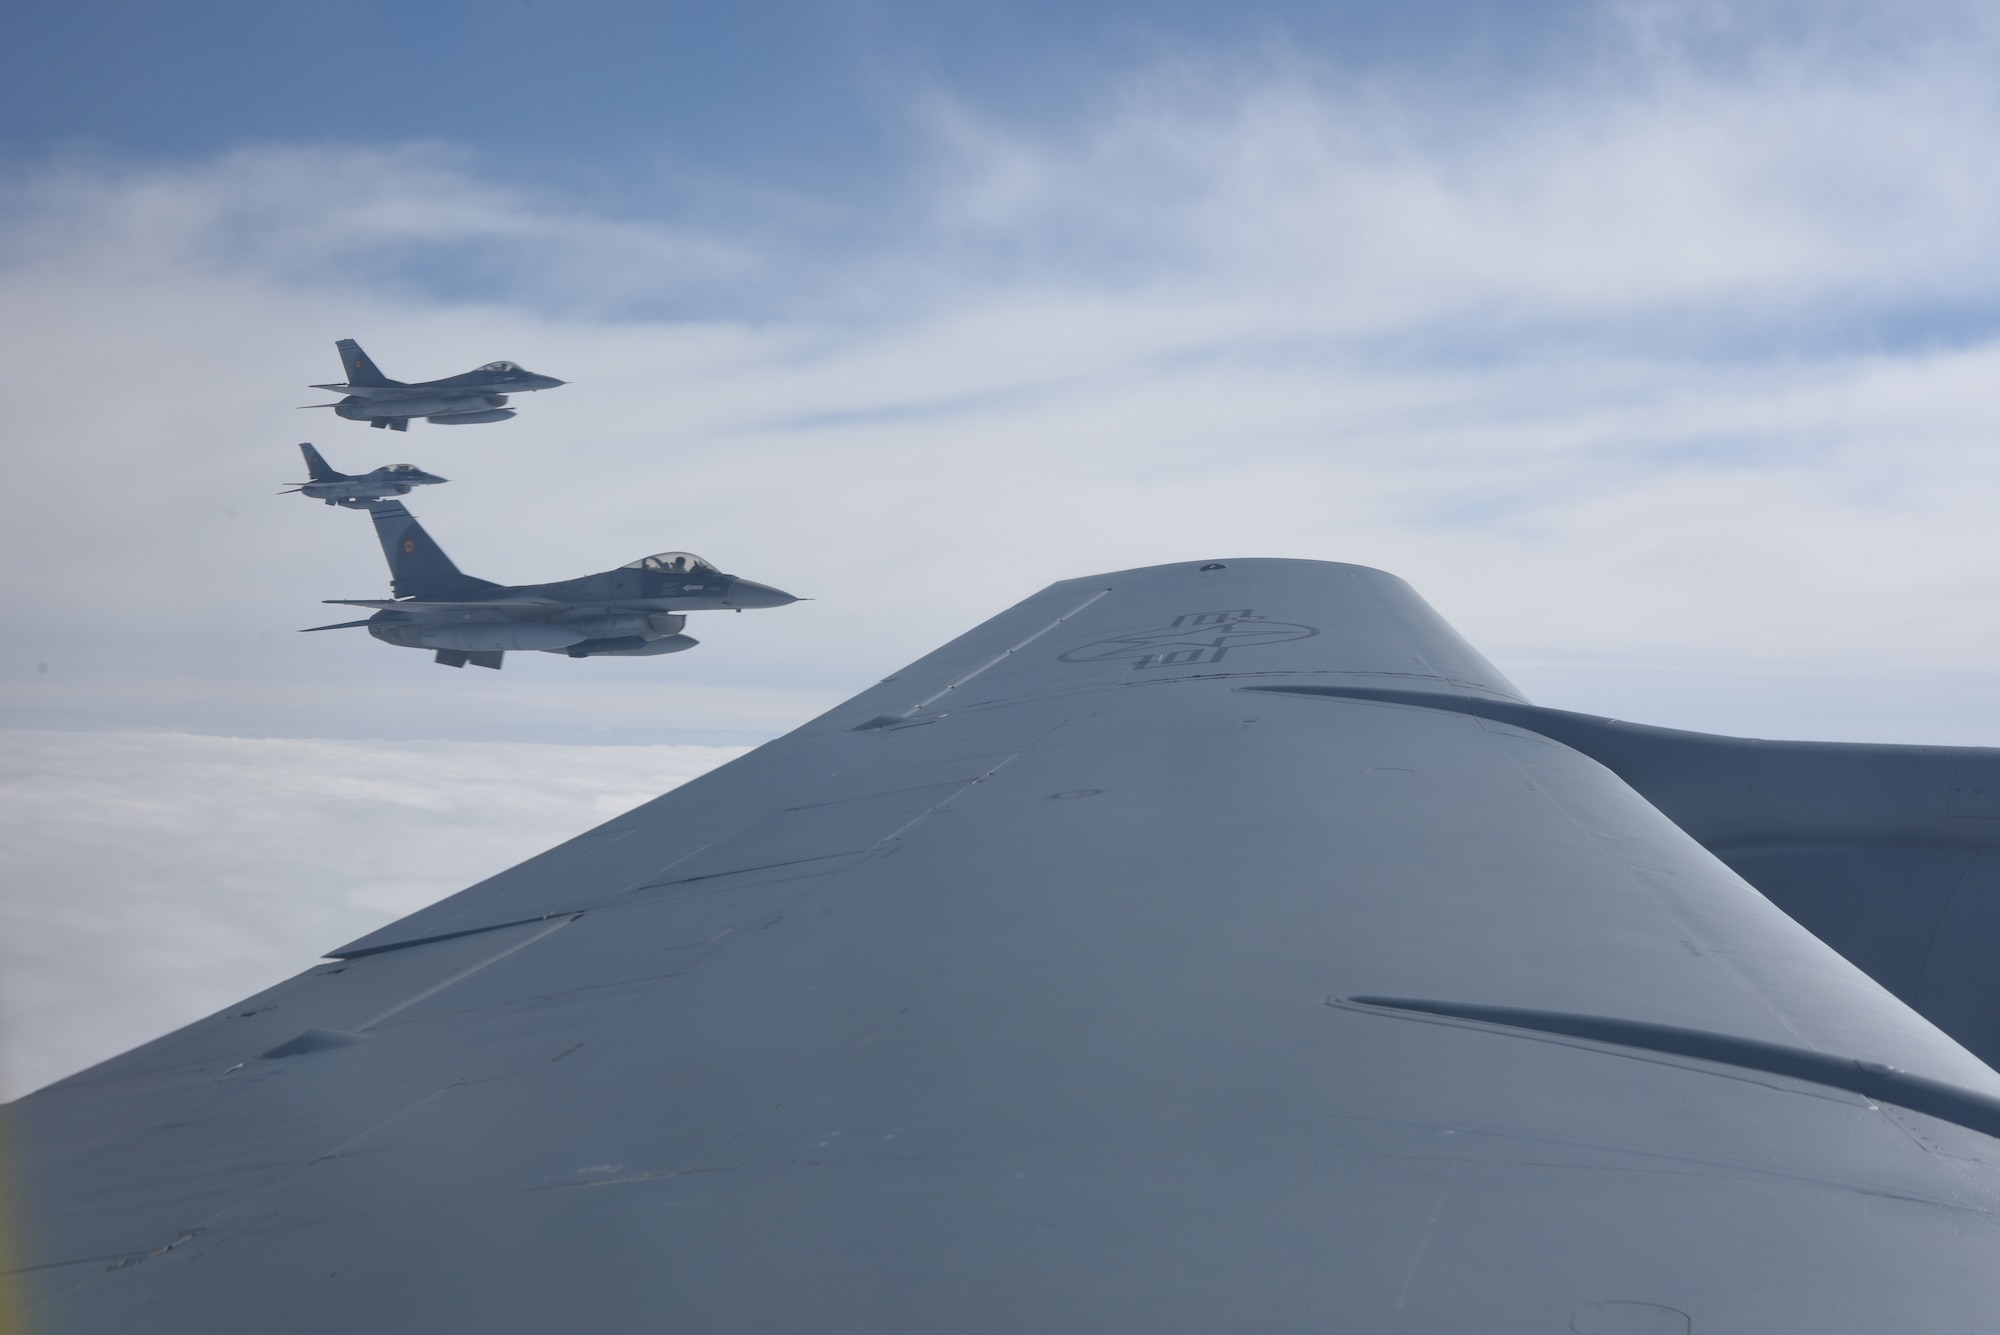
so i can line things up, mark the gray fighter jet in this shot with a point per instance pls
(476, 396)
(635, 610)
(357, 489)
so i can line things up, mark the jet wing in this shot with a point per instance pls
(1060, 982)
(435, 607)
(385, 392)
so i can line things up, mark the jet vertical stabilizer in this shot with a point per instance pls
(317, 468)
(418, 567)
(360, 368)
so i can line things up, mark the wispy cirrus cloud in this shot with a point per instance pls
(1668, 174)
(415, 219)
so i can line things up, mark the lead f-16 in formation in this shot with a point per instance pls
(476, 396)
(638, 609)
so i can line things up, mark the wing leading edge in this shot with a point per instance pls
(997, 998)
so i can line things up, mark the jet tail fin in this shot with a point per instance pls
(317, 468)
(358, 366)
(418, 567)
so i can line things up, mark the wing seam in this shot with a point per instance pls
(1871, 1080)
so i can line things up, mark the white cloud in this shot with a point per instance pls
(1652, 179)
(407, 219)
(152, 878)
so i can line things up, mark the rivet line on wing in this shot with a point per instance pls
(1002, 655)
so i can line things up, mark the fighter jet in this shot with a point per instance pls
(356, 489)
(635, 610)
(476, 396)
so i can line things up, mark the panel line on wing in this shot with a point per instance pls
(848, 826)
(346, 954)
(743, 871)
(555, 925)
(1001, 657)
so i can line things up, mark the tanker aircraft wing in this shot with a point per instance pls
(1189, 949)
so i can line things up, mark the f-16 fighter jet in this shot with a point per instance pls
(356, 489)
(476, 396)
(636, 609)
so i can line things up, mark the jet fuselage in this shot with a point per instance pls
(637, 609)
(390, 480)
(618, 612)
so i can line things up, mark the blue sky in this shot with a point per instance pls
(1657, 344)
(809, 92)
(805, 125)
(814, 131)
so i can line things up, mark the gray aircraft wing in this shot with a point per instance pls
(385, 393)
(1186, 949)
(433, 605)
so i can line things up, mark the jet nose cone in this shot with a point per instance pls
(749, 593)
(546, 382)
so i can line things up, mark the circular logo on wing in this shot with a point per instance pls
(1191, 638)
(409, 545)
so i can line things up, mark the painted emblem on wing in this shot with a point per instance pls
(1191, 638)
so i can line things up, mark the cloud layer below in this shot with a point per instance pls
(153, 878)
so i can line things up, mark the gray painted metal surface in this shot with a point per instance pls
(1062, 983)
(326, 483)
(479, 395)
(1890, 854)
(635, 610)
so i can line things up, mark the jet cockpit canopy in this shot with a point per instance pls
(500, 366)
(676, 563)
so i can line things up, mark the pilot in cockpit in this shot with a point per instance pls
(672, 563)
